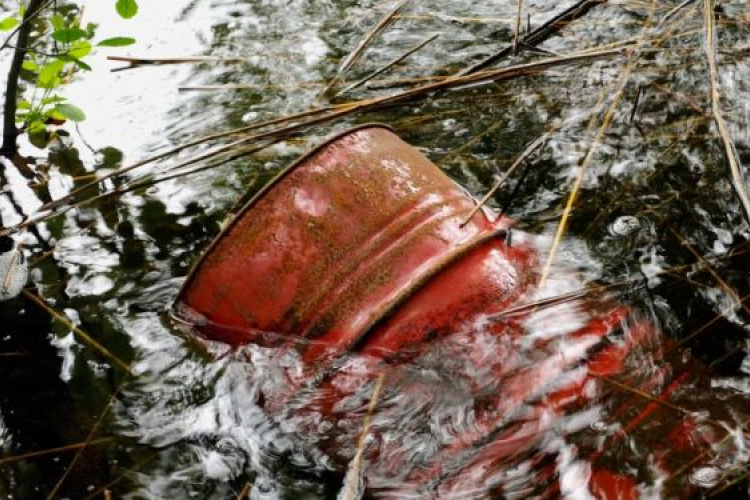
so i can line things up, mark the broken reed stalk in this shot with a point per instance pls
(675, 11)
(733, 158)
(148, 181)
(352, 476)
(593, 149)
(388, 66)
(517, 39)
(695, 334)
(723, 284)
(377, 84)
(329, 114)
(457, 82)
(648, 397)
(170, 152)
(354, 56)
(53, 451)
(475, 139)
(104, 490)
(538, 35)
(145, 61)
(100, 419)
(679, 96)
(530, 150)
(244, 491)
(85, 337)
(703, 454)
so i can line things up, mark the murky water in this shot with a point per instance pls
(656, 215)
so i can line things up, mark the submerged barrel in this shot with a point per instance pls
(363, 256)
(351, 235)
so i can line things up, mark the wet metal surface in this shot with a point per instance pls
(337, 241)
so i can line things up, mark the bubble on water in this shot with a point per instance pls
(706, 477)
(625, 226)
(250, 116)
(599, 426)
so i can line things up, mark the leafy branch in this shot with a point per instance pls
(47, 70)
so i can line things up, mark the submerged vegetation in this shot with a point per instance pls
(615, 131)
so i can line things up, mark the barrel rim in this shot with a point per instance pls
(259, 195)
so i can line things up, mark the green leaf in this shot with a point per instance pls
(126, 8)
(69, 35)
(82, 65)
(24, 104)
(70, 112)
(30, 65)
(8, 23)
(118, 41)
(80, 49)
(49, 75)
(58, 22)
(36, 127)
(37, 134)
(56, 115)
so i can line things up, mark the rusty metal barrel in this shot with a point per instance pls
(364, 246)
(351, 243)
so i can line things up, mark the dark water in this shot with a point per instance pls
(655, 194)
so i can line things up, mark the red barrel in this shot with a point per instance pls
(334, 247)
(364, 248)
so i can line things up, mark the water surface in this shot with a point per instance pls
(655, 194)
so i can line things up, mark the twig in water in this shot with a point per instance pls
(731, 152)
(88, 340)
(389, 65)
(160, 156)
(704, 328)
(136, 62)
(517, 38)
(593, 148)
(702, 455)
(723, 284)
(540, 34)
(328, 114)
(675, 10)
(354, 56)
(352, 476)
(533, 147)
(679, 96)
(226, 155)
(145, 183)
(636, 102)
(54, 451)
(245, 490)
(53, 493)
(105, 490)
